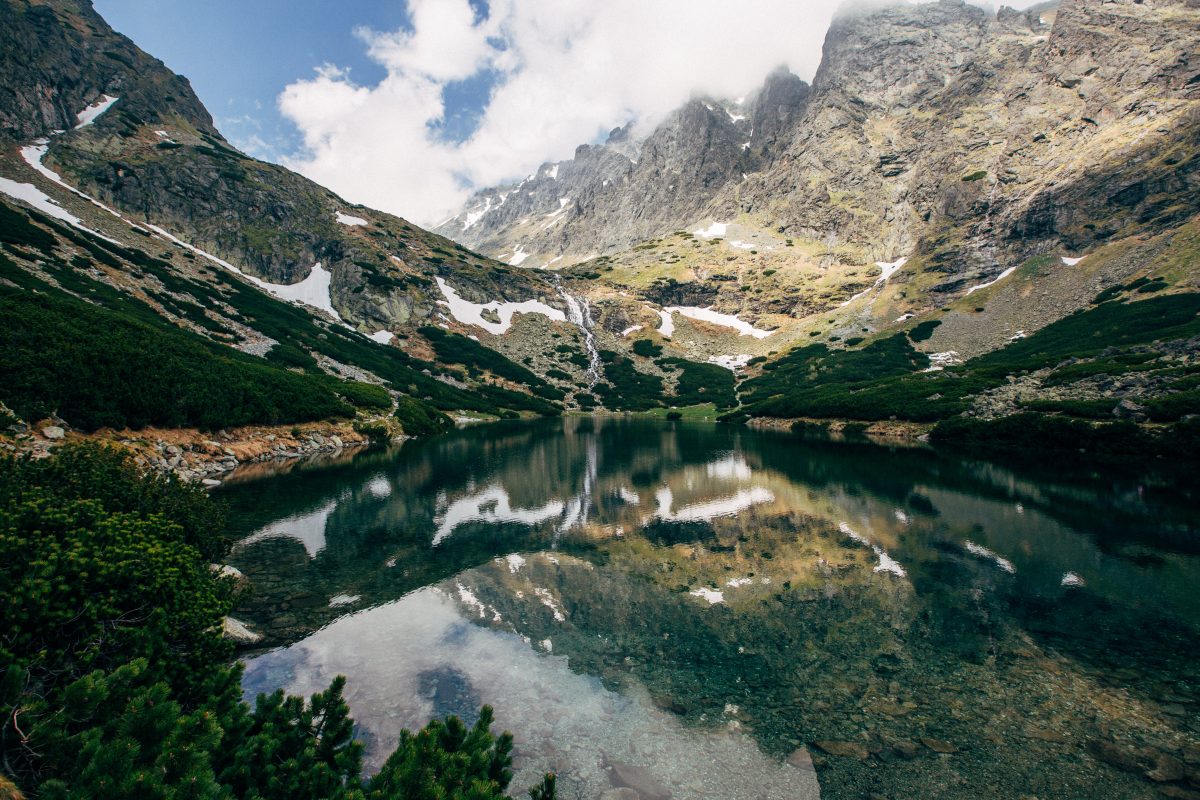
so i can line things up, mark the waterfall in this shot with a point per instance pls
(580, 313)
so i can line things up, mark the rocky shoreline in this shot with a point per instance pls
(192, 455)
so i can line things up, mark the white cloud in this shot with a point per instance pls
(571, 70)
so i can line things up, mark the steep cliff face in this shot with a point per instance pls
(612, 196)
(61, 56)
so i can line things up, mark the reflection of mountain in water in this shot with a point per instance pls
(786, 590)
(392, 521)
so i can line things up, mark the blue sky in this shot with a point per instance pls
(241, 54)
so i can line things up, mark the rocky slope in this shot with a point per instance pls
(964, 142)
(626, 190)
(158, 206)
(155, 155)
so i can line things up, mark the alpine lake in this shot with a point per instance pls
(686, 610)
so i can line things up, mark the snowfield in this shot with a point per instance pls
(716, 318)
(470, 313)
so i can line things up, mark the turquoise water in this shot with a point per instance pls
(696, 611)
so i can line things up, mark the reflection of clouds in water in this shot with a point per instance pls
(308, 529)
(416, 658)
(732, 467)
(379, 487)
(490, 505)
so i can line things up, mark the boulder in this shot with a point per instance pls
(53, 432)
(801, 760)
(848, 749)
(939, 746)
(236, 631)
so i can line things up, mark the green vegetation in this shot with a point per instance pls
(102, 368)
(977, 175)
(300, 338)
(627, 389)
(1039, 432)
(454, 348)
(880, 380)
(924, 331)
(118, 684)
(646, 348)
(702, 383)
(418, 419)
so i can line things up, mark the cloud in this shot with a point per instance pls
(569, 70)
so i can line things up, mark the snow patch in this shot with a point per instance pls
(630, 329)
(490, 505)
(704, 512)
(887, 270)
(35, 197)
(992, 282)
(383, 337)
(549, 602)
(732, 467)
(713, 231)
(939, 361)
(93, 112)
(518, 256)
(733, 363)
(668, 324)
(713, 596)
(552, 173)
(470, 313)
(312, 291)
(347, 219)
(475, 216)
(1070, 262)
(716, 318)
(886, 562)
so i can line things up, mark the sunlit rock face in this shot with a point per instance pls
(700, 602)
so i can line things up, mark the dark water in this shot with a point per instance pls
(702, 602)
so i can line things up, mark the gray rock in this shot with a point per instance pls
(639, 779)
(236, 631)
(53, 432)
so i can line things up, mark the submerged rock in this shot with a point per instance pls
(639, 779)
(848, 749)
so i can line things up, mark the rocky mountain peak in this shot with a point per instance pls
(64, 57)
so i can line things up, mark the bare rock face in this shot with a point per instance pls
(968, 140)
(60, 56)
(614, 195)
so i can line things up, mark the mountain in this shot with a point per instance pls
(953, 183)
(971, 176)
(614, 195)
(118, 191)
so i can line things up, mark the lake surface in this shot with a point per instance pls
(691, 610)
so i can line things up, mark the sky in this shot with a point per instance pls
(408, 106)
